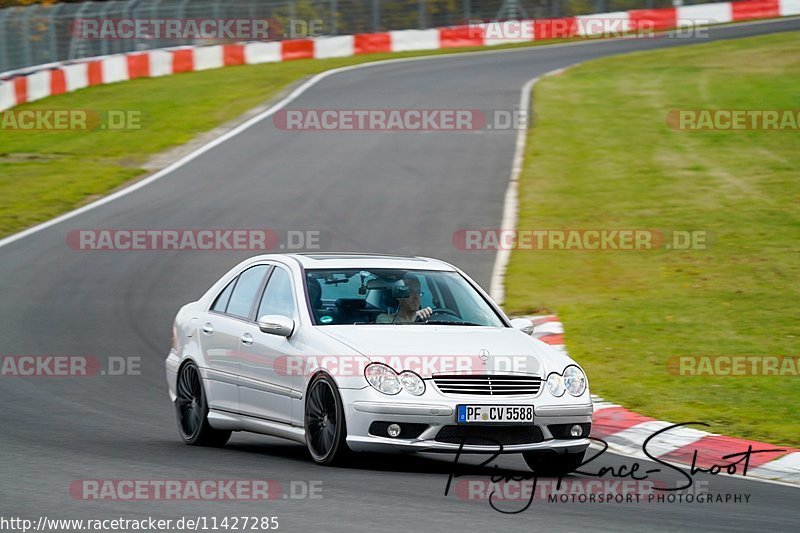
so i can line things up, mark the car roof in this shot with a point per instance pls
(332, 260)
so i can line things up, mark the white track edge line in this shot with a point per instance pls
(497, 289)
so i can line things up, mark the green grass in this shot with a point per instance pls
(602, 156)
(46, 173)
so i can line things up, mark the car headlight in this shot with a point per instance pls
(412, 383)
(555, 384)
(383, 378)
(574, 380)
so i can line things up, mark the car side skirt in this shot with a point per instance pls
(236, 422)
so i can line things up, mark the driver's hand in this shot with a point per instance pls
(424, 313)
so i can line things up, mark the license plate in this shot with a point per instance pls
(494, 414)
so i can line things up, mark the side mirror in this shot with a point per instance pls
(276, 325)
(522, 324)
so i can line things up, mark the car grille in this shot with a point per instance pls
(490, 435)
(489, 385)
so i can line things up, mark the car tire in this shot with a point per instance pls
(191, 409)
(553, 464)
(325, 426)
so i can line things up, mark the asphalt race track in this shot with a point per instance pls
(377, 192)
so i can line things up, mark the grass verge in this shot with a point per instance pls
(601, 156)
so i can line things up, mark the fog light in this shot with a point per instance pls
(393, 430)
(576, 431)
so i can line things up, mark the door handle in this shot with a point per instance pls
(246, 339)
(208, 329)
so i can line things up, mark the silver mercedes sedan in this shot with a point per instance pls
(347, 353)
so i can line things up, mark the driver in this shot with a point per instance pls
(408, 310)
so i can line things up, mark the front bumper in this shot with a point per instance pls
(363, 407)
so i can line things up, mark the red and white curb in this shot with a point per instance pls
(35, 83)
(626, 431)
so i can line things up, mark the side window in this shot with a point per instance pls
(221, 303)
(244, 293)
(278, 298)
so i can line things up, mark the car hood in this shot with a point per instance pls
(430, 350)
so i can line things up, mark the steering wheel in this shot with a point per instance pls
(442, 311)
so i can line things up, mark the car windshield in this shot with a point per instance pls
(391, 296)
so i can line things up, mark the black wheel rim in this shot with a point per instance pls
(321, 419)
(190, 391)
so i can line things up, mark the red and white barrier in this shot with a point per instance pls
(47, 80)
(704, 14)
(788, 8)
(255, 53)
(414, 40)
(39, 85)
(114, 69)
(510, 31)
(343, 46)
(159, 63)
(75, 76)
(591, 25)
(7, 97)
(208, 57)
